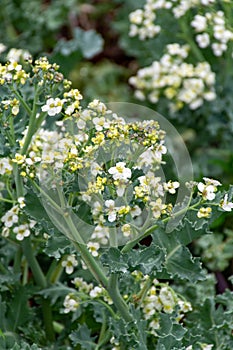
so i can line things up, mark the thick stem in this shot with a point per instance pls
(117, 299)
(41, 281)
(48, 320)
(33, 263)
(94, 267)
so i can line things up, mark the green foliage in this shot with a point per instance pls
(83, 337)
(157, 290)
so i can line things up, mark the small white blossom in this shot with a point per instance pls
(21, 202)
(213, 182)
(11, 217)
(126, 230)
(207, 191)
(5, 166)
(100, 123)
(93, 247)
(70, 304)
(111, 210)
(2, 48)
(171, 186)
(96, 292)
(69, 263)
(225, 204)
(21, 231)
(120, 172)
(53, 106)
(203, 40)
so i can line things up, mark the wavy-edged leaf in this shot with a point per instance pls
(83, 337)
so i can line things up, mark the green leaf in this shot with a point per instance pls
(147, 260)
(56, 291)
(19, 311)
(131, 335)
(170, 333)
(90, 42)
(56, 245)
(178, 261)
(115, 260)
(83, 337)
(25, 346)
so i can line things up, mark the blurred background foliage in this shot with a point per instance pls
(91, 43)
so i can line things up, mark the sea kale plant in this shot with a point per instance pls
(94, 235)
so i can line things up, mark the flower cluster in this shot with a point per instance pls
(12, 72)
(207, 190)
(116, 188)
(159, 298)
(15, 223)
(84, 291)
(211, 30)
(142, 23)
(180, 82)
(142, 20)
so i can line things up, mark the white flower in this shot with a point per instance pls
(21, 231)
(2, 48)
(136, 17)
(207, 346)
(5, 166)
(21, 202)
(53, 106)
(126, 230)
(203, 40)
(213, 182)
(100, 123)
(209, 188)
(70, 304)
(199, 23)
(11, 217)
(218, 48)
(14, 66)
(120, 172)
(111, 210)
(93, 247)
(225, 204)
(96, 292)
(69, 263)
(171, 186)
(207, 191)
(135, 211)
(95, 168)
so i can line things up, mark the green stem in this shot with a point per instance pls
(12, 130)
(132, 243)
(17, 260)
(54, 272)
(41, 281)
(18, 181)
(48, 320)
(33, 263)
(32, 122)
(117, 299)
(104, 334)
(25, 105)
(95, 268)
